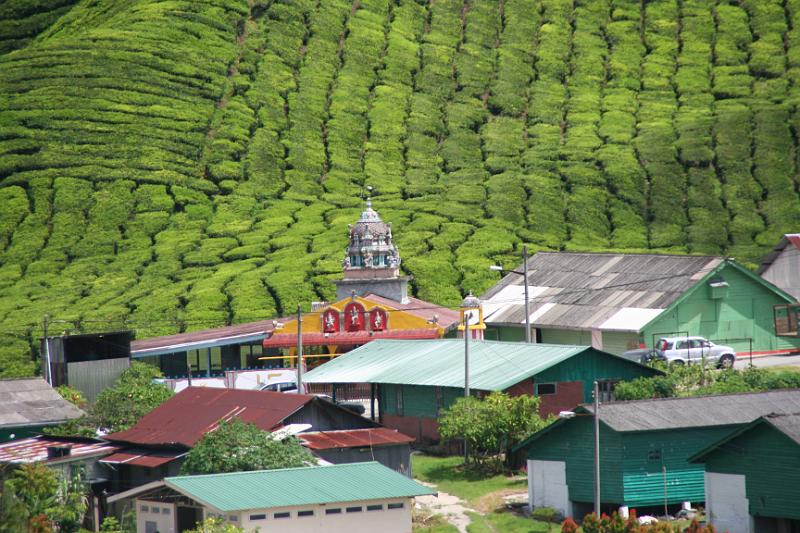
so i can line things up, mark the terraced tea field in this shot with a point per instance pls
(175, 165)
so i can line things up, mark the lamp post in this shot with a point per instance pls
(524, 274)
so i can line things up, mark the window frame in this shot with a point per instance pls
(547, 383)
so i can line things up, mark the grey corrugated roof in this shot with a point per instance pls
(788, 424)
(33, 401)
(587, 290)
(696, 411)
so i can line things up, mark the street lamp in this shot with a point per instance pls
(571, 414)
(524, 274)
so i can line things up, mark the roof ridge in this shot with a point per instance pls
(673, 398)
(635, 254)
(252, 472)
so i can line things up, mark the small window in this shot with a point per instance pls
(398, 505)
(654, 455)
(399, 399)
(233, 518)
(258, 517)
(155, 510)
(307, 512)
(354, 509)
(377, 507)
(166, 510)
(144, 508)
(545, 388)
(282, 515)
(335, 510)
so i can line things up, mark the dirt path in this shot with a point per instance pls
(447, 505)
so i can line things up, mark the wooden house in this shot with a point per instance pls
(752, 477)
(617, 302)
(413, 381)
(645, 450)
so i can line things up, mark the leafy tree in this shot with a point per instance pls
(491, 425)
(73, 396)
(120, 406)
(134, 395)
(236, 446)
(215, 525)
(38, 499)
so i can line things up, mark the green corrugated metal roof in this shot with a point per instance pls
(493, 365)
(297, 486)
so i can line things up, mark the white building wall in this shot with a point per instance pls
(152, 517)
(784, 271)
(727, 507)
(547, 485)
(384, 520)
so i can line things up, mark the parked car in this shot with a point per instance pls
(642, 355)
(280, 386)
(687, 350)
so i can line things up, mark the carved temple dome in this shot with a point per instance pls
(371, 247)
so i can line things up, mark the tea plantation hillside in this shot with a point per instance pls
(174, 165)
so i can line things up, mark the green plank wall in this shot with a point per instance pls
(573, 442)
(764, 455)
(745, 311)
(504, 333)
(417, 401)
(647, 452)
(618, 342)
(591, 365)
(565, 336)
(629, 474)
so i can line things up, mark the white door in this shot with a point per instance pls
(547, 485)
(727, 507)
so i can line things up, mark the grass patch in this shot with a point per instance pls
(507, 522)
(448, 474)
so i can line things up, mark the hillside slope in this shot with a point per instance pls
(174, 165)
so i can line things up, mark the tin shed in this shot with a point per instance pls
(645, 447)
(752, 477)
(415, 380)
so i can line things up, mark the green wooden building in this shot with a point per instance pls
(414, 380)
(645, 447)
(752, 477)
(616, 302)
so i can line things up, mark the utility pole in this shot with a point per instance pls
(596, 450)
(299, 351)
(525, 281)
(467, 317)
(47, 375)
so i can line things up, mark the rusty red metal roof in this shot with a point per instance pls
(186, 417)
(34, 449)
(192, 340)
(353, 438)
(141, 457)
(347, 338)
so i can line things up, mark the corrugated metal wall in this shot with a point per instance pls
(769, 460)
(91, 377)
